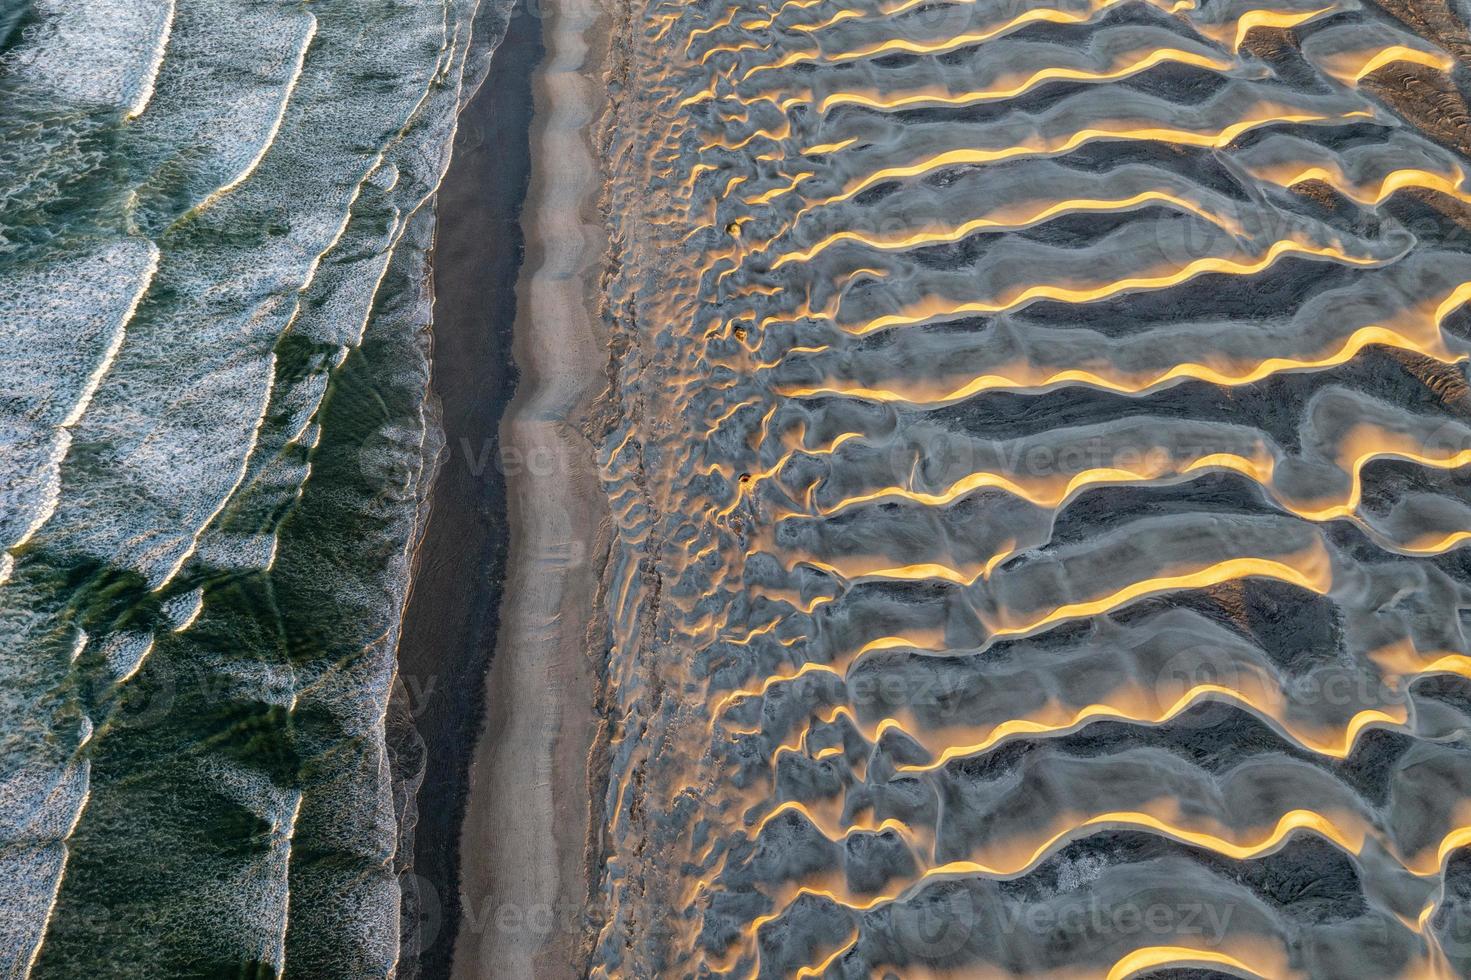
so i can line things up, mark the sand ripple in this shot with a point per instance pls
(1065, 576)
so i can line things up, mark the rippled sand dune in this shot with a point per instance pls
(1041, 505)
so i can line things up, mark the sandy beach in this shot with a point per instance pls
(972, 452)
(451, 619)
(524, 878)
(1029, 412)
(818, 489)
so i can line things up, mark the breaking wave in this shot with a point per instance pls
(213, 354)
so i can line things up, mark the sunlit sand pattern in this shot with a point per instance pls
(1041, 495)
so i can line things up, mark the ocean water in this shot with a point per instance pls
(1042, 499)
(215, 219)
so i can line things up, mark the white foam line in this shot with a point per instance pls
(357, 192)
(194, 614)
(150, 76)
(59, 448)
(114, 345)
(35, 953)
(286, 898)
(406, 217)
(378, 161)
(316, 263)
(76, 819)
(138, 664)
(270, 140)
(244, 468)
(362, 328)
(381, 157)
(62, 445)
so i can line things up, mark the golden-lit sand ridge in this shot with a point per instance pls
(1040, 495)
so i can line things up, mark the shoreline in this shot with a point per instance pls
(526, 871)
(452, 614)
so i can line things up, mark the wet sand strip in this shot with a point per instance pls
(453, 613)
(524, 875)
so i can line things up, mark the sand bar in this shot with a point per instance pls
(524, 879)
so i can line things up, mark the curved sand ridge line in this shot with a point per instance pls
(1015, 858)
(1329, 330)
(1341, 436)
(1032, 414)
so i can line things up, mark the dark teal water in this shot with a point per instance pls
(214, 440)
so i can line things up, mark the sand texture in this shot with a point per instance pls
(524, 880)
(1040, 505)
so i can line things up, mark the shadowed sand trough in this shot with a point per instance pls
(1040, 505)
